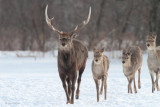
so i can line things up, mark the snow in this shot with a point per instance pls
(31, 79)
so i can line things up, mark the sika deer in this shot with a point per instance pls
(153, 59)
(132, 61)
(100, 66)
(72, 56)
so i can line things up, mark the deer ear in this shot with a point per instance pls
(74, 36)
(154, 35)
(124, 51)
(102, 50)
(129, 52)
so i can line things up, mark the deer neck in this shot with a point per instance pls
(152, 52)
(153, 55)
(67, 54)
(128, 64)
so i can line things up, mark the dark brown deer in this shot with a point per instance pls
(72, 56)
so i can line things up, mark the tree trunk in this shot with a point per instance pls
(154, 22)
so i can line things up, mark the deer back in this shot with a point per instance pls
(136, 57)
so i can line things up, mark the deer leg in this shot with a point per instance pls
(79, 81)
(105, 88)
(97, 88)
(135, 88)
(69, 86)
(157, 77)
(153, 83)
(63, 79)
(73, 87)
(129, 86)
(102, 85)
(139, 81)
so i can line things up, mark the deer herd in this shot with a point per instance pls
(73, 54)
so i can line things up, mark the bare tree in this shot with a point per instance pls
(114, 24)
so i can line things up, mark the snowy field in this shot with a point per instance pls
(29, 81)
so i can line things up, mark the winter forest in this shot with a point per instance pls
(114, 24)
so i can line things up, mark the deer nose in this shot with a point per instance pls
(123, 62)
(148, 45)
(63, 44)
(96, 60)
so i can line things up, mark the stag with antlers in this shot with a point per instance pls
(72, 56)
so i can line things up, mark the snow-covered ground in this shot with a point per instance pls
(29, 81)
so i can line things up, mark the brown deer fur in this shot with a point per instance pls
(72, 56)
(69, 62)
(153, 59)
(132, 61)
(100, 66)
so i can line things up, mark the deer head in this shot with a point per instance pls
(151, 41)
(65, 39)
(98, 55)
(126, 57)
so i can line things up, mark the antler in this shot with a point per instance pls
(85, 22)
(49, 22)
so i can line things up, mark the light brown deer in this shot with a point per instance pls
(100, 66)
(132, 61)
(72, 56)
(153, 59)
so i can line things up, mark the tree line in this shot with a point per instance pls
(114, 24)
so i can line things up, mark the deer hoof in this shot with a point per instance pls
(139, 84)
(153, 90)
(72, 102)
(68, 102)
(98, 100)
(77, 97)
(139, 87)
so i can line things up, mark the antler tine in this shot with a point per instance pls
(49, 22)
(85, 22)
(89, 15)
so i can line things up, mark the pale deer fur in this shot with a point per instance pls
(132, 61)
(153, 59)
(100, 66)
(72, 56)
